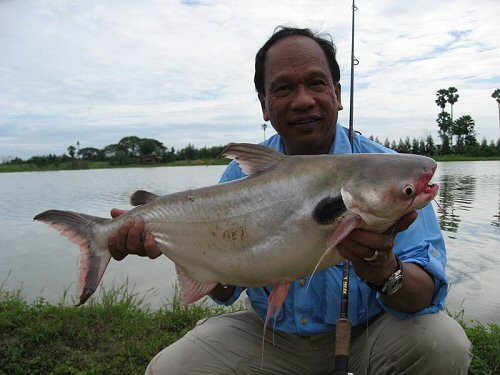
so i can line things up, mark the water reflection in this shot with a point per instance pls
(496, 218)
(456, 193)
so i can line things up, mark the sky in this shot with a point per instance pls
(95, 71)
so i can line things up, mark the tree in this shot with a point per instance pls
(421, 147)
(71, 151)
(441, 98)
(414, 146)
(407, 145)
(264, 127)
(463, 128)
(131, 146)
(430, 148)
(496, 96)
(188, 153)
(445, 145)
(89, 153)
(445, 125)
(451, 98)
(148, 146)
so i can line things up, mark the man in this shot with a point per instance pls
(399, 286)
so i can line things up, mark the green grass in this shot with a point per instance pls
(83, 164)
(119, 334)
(464, 158)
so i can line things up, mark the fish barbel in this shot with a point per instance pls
(271, 227)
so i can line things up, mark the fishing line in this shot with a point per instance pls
(343, 325)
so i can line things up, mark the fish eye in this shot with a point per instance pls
(409, 190)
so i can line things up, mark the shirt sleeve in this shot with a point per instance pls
(423, 244)
(232, 172)
(236, 294)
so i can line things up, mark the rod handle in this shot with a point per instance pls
(342, 337)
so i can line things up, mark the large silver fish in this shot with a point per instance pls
(271, 227)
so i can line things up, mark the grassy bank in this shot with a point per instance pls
(464, 158)
(119, 335)
(83, 164)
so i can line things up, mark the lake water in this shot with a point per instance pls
(35, 258)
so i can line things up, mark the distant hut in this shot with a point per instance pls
(150, 159)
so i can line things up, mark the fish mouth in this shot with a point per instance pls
(426, 190)
(431, 189)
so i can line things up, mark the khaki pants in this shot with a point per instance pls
(232, 344)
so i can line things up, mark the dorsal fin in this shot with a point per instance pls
(252, 158)
(141, 197)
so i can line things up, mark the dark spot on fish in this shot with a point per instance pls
(328, 209)
(234, 234)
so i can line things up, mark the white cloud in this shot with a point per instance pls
(182, 71)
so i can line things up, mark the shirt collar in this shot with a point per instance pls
(340, 145)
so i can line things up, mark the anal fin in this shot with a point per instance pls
(192, 290)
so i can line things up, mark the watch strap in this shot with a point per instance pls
(393, 282)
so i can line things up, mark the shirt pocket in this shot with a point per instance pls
(259, 298)
(330, 303)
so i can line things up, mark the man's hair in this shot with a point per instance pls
(324, 41)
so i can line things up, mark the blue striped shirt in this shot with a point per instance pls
(318, 310)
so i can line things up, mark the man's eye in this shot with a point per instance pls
(318, 82)
(283, 88)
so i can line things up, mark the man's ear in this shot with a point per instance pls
(262, 100)
(338, 94)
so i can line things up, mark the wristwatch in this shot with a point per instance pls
(393, 283)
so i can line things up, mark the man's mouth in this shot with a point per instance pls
(304, 121)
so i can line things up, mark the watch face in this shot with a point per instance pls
(393, 283)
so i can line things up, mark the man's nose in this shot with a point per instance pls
(303, 99)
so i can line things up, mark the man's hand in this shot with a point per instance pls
(131, 238)
(361, 245)
(373, 260)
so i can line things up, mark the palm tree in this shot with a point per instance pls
(445, 125)
(496, 96)
(264, 127)
(71, 151)
(441, 98)
(452, 98)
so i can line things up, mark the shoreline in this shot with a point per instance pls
(83, 164)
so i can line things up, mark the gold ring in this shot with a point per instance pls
(373, 257)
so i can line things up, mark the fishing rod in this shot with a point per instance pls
(343, 326)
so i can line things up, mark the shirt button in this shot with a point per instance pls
(435, 253)
(302, 282)
(304, 321)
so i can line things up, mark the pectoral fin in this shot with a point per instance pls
(346, 225)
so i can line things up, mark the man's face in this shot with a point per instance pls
(301, 100)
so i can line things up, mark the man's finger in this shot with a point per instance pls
(117, 255)
(134, 244)
(117, 212)
(403, 223)
(122, 235)
(152, 250)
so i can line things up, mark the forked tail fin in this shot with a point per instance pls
(94, 256)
